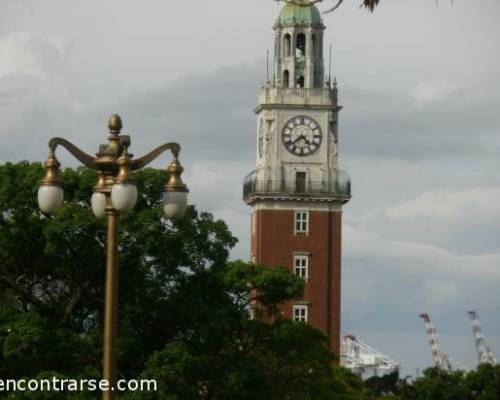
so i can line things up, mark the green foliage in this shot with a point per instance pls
(222, 353)
(384, 385)
(484, 383)
(435, 384)
(440, 385)
(183, 316)
(270, 286)
(284, 360)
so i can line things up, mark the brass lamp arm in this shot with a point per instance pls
(80, 155)
(150, 157)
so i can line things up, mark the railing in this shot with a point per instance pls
(325, 96)
(336, 189)
(304, 92)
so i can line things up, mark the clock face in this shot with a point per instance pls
(261, 137)
(301, 135)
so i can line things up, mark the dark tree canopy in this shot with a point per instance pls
(183, 316)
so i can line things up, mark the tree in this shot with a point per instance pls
(52, 274)
(226, 354)
(484, 382)
(386, 384)
(184, 316)
(437, 384)
(368, 4)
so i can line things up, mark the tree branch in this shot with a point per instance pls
(27, 297)
(339, 3)
(368, 4)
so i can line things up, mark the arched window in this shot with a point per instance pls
(287, 43)
(315, 46)
(286, 78)
(300, 50)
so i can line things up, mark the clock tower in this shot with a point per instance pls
(297, 190)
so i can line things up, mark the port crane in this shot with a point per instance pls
(363, 359)
(484, 353)
(441, 360)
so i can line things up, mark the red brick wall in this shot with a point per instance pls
(273, 243)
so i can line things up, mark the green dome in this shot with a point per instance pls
(300, 14)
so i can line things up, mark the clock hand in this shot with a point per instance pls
(300, 137)
(308, 142)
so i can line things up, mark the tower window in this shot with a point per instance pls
(301, 266)
(287, 44)
(300, 313)
(300, 82)
(300, 182)
(301, 221)
(315, 45)
(286, 78)
(300, 49)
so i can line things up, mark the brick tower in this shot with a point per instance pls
(297, 190)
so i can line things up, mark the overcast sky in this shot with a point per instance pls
(419, 133)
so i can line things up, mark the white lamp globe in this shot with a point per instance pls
(50, 198)
(124, 196)
(175, 204)
(98, 202)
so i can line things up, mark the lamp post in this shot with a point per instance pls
(115, 192)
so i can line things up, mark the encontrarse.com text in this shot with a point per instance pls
(76, 385)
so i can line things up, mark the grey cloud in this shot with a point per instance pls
(393, 125)
(211, 113)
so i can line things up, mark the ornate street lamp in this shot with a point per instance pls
(115, 192)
